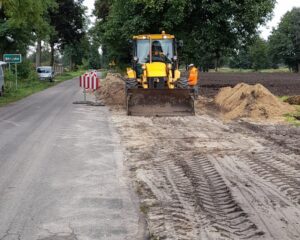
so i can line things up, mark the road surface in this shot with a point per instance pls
(61, 171)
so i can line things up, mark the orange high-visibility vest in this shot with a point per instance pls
(193, 76)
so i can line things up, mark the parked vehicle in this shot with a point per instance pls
(45, 73)
(1, 78)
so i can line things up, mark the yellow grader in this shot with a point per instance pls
(154, 86)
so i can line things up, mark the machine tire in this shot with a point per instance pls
(182, 83)
(131, 84)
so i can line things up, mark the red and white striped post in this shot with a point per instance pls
(89, 81)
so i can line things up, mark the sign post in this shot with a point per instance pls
(84, 94)
(16, 59)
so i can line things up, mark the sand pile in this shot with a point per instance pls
(294, 100)
(112, 90)
(248, 101)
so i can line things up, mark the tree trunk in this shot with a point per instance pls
(38, 53)
(216, 64)
(71, 63)
(52, 54)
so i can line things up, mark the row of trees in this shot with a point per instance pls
(61, 25)
(209, 29)
(282, 47)
(214, 32)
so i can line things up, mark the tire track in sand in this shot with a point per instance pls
(184, 194)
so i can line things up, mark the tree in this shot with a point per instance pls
(21, 22)
(285, 41)
(259, 54)
(73, 55)
(68, 22)
(102, 8)
(210, 29)
(241, 59)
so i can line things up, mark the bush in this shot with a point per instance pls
(9, 80)
(32, 76)
(24, 69)
(26, 76)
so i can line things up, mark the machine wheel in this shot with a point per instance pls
(131, 84)
(182, 83)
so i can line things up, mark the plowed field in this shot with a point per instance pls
(279, 84)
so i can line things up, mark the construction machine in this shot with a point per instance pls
(154, 86)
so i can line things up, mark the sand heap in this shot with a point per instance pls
(248, 101)
(112, 90)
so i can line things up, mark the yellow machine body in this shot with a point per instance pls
(156, 69)
(154, 85)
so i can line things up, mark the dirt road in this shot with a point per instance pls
(199, 178)
(61, 171)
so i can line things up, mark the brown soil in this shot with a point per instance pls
(294, 100)
(280, 84)
(112, 90)
(199, 178)
(246, 101)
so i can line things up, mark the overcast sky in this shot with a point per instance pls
(281, 8)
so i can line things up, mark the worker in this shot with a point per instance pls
(193, 79)
(158, 53)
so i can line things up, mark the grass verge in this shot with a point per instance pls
(283, 98)
(294, 118)
(28, 87)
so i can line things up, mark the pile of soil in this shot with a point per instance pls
(294, 100)
(112, 90)
(250, 101)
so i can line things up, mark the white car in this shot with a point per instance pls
(1, 78)
(45, 73)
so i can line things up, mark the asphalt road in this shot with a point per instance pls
(61, 171)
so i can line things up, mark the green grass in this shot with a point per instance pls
(68, 75)
(283, 98)
(292, 117)
(26, 88)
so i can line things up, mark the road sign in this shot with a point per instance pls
(15, 59)
(89, 81)
(12, 58)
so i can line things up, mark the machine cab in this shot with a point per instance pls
(154, 48)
